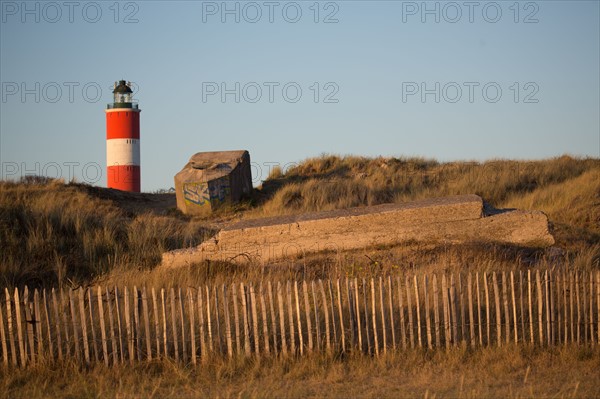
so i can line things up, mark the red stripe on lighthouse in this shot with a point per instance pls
(123, 124)
(124, 177)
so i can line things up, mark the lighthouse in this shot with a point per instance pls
(123, 140)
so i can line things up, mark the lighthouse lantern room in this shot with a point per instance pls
(123, 140)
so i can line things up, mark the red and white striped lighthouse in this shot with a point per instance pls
(123, 140)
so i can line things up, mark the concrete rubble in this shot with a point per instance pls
(448, 220)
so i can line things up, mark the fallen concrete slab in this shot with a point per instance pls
(448, 220)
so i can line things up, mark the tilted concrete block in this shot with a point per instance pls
(456, 219)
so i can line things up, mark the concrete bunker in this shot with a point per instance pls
(212, 179)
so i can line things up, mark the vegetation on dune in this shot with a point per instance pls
(52, 233)
(508, 372)
(332, 182)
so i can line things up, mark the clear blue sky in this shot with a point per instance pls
(374, 61)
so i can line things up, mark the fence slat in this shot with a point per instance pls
(236, 318)
(529, 293)
(20, 329)
(498, 309)
(137, 326)
(146, 318)
(182, 318)
(86, 346)
(75, 327)
(38, 323)
(326, 312)
(427, 314)
(129, 326)
(119, 325)
(479, 319)
(218, 320)
(540, 294)
(203, 350)
(111, 323)
(163, 305)
(592, 308)
(559, 308)
(436, 312)
(281, 319)
(174, 324)
(298, 319)
(331, 303)
(514, 305)
(461, 296)
(255, 321)
(564, 314)
(47, 318)
(138, 317)
(571, 306)
(102, 326)
(488, 318)
(410, 312)
(351, 315)
(92, 327)
(156, 321)
(391, 310)
(210, 340)
(357, 312)
(552, 317)
(548, 308)
(263, 309)
(506, 307)
(418, 309)
(246, 325)
(447, 334)
(190, 298)
(470, 304)
(227, 321)
(578, 307)
(521, 304)
(3, 338)
(317, 323)
(288, 296)
(341, 315)
(598, 303)
(10, 322)
(29, 323)
(383, 324)
(366, 316)
(585, 305)
(454, 315)
(307, 316)
(374, 318)
(274, 318)
(57, 323)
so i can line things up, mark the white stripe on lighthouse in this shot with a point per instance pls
(122, 152)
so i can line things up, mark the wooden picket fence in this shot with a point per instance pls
(293, 318)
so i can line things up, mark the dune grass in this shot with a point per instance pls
(54, 233)
(333, 182)
(51, 232)
(507, 372)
